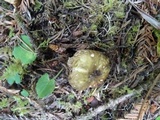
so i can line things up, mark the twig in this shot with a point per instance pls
(13, 92)
(109, 105)
(154, 22)
(132, 76)
(8, 91)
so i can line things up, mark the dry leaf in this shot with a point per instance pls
(77, 33)
(16, 3)
(56, 48)
(146, 45)
(133, 115)
(153, 108)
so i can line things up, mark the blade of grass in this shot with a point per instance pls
(146, 16)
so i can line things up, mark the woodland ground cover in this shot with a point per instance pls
(37, 37)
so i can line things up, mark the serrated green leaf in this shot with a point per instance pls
(24, 93)
(14, 78)
(25, 56)
(13, 73)
(45, 86)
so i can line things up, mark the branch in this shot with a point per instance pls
(109, 105)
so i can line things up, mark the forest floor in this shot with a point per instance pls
(37, 37)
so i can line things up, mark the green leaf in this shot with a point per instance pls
(24, 52)
(158, 118)
(26, 39)
(24, 93)
(37, 5)
(14, 78)
(13, 73)
(25, 56)
(45, 86)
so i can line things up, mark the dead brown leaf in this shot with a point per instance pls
(133, 115)
(77, 33)
(146, 44)
(15, 3)
(153, 108)
(56, 48)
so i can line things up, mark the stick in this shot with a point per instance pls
(109, 105)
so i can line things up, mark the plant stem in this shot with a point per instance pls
(21, 25)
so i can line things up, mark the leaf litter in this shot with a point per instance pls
(125, 31)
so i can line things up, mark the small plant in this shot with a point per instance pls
(45, 86)
(23, 56)
(16, 104)
(121, 91)
(4, 103)
(75, 107)
(24, 52)
(21, 106)
(13, 73)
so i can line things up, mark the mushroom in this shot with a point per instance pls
(88, 68)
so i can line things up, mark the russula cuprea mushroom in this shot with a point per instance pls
(88, 68)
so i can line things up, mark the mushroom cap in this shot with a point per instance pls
(88, 68)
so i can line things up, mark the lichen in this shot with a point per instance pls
(88, 68)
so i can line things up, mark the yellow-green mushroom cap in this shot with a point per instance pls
(88, 68)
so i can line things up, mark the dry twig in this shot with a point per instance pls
(109, 105)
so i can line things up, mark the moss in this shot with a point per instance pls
(157, 34)
(132, 33)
